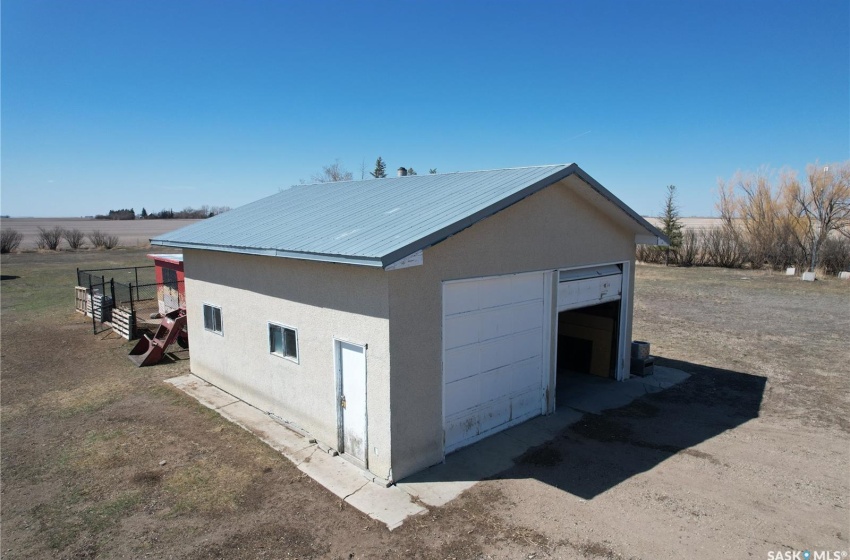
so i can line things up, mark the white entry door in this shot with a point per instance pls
(351, 380)
(495, 347)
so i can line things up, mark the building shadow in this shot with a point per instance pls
(600, 451)
(585, 453)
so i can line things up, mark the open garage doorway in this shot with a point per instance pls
(589, 326)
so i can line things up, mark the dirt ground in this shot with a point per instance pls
(750, 455)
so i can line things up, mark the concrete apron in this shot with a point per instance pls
(581, 394)
(441, 483)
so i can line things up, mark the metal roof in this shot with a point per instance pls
(176, 258)
(374, 222)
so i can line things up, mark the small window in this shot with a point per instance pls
(283, 341)
(212, 318)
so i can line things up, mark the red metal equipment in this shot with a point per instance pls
(148, 351)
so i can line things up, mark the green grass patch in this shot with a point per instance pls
(207, 488)
(95, 436)
(62, 523)
(102, 516)
(86, 408)
(41, 283)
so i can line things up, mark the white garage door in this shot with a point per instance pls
(589, 286)
(493, 354)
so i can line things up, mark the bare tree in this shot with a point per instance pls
(10, 239)
(822, 205)
(97, 238)
(756, 213)
(49, 238)
(332, 173)
(785, 223)
(74, 237)
(100, 239)
(110, 241)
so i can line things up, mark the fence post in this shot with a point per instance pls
(136, 270)
(112, 290)
(78, 276)
(91, 307)
(132, 308)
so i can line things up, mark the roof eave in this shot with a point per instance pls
(648, 239)
(271, 252)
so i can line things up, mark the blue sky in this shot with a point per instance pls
(167, 104)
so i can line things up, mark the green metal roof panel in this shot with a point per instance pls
(374, 222)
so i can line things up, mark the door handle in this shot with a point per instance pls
(342, 401)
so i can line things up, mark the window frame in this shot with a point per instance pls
(219, 332)
(283, 327)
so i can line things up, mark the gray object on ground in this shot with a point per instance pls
(642, 367)
(640, 350)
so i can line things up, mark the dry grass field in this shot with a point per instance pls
(137, 233)
(690, 223)
(131, 233)
(749, 455)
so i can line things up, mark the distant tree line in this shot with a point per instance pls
(123, 214)
(767, 223)
(187, 213)
(50, 239)
(381, 170)
(336, 172)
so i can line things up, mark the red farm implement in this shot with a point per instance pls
(149, 351)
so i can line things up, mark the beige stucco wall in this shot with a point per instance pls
(551, 229)
(322, 301)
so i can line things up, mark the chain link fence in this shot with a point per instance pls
(95, 300)
(148, 302)
(127, 274)
(127, 299)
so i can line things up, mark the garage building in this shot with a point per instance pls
(399, 319)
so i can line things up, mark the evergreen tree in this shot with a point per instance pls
(671, 225)
(410, 171)
(433, 171)
(380, 169)
(144, 213)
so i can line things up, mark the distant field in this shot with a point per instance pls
(691, 223)
(131, 233)
(136, 233)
